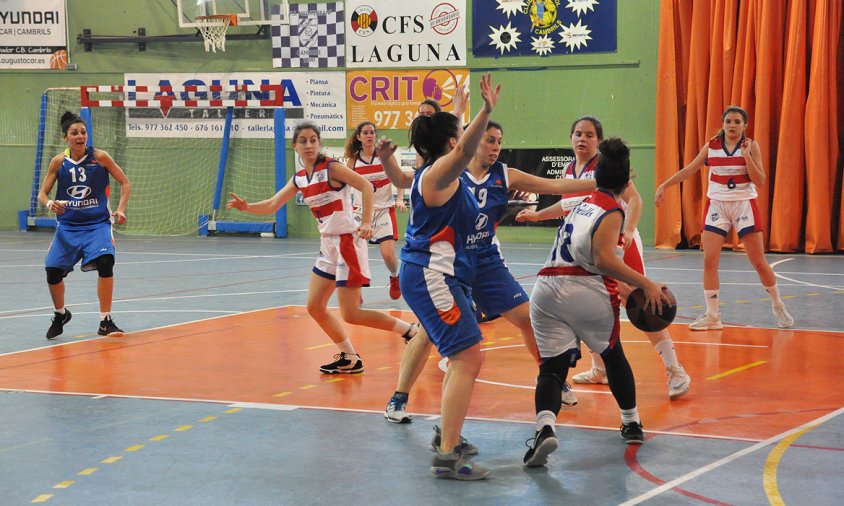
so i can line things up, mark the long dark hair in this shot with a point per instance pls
(613, 169)
(728, 110)
(353, 144)
(68, 119)
(429, 135)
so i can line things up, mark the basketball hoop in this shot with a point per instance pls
(213, 29)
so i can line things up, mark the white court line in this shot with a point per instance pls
(806, 283)
(179, 261)
(38, 315)
(153, 253)
(726, 460)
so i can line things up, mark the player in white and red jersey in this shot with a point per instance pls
(361, 157)
(343, 261)
(586, 133)
(576, 298)
(735, 168)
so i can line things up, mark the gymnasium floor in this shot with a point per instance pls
(213, 396)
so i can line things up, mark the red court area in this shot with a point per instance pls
(747, 382)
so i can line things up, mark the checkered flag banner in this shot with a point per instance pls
(314, 37)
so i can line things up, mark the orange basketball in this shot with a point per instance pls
(58, 60)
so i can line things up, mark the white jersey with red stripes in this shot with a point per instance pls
(331, 206)
(572, 200)
(728, 176)
(573, 244)
(373, 171)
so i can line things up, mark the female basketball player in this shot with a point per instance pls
(576, 298)
(343, 262)
(436, 272)
(494, 289)
(586, 133)
(84, 221)
(361, 158)
(735, 168)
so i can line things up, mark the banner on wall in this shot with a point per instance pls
(390, 98)
(314, 36)
(547, 163)
(318, 97)
(33, 34)
(390, 33)
(543, 27)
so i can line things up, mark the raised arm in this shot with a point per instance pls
(386, 152)
(685, 173)
(522, 181)
(440, 181)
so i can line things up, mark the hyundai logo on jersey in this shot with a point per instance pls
(79, 191)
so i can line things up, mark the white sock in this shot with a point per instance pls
(346, 347)
(712, 302)
(394, 274)
(60, 311)
(630, 415)
(598, 362)
(544, 418)
(665, 348)
(402, 327)
(774, 292)
(103, 315)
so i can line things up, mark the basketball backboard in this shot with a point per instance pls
(249, 12)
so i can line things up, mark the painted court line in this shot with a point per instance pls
(738, 369)
(726, 460)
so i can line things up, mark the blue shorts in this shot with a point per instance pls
(495, 290)
(443, 307)
(71, 245)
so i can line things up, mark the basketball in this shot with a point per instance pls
(645, 320)
(58, 60)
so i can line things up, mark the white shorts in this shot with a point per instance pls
(384, 225)
(343, 258)
(721, 215)
(565, 310)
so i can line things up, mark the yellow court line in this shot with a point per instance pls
(160, 437)
(87, 472)
(183, 428)
(134, 448)
(335, 380)
(43, 498)
(737, 369)
(326, 345)
(110, 460)
(769, 477)
(307, 387)
(230, 411)
(208, 419)
(384, 368)
(282, 394)
(64, 484)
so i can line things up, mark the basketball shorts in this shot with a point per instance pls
(565, 310)
(384, 225)
(495, 290)
(343, 258)
(443, 307)
(743, 215)
(71, 244)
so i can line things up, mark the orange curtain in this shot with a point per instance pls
(777, 59)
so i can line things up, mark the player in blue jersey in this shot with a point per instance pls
(494, 289)
(84, 221)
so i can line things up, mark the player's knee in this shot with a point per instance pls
(105, 266)
(55, 276)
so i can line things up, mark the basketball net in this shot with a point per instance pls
(213, 30)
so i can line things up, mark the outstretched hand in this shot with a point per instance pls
(236, 203)
(526, 215)
(384, 148)
(489, 94)
(461, 101)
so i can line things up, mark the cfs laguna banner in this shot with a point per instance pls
(543, 27)
(33, 34)
(393, 33)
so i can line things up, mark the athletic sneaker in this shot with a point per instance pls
(395, 288)
(544, 443)
(784, 319)
(568, 397)
(395, 412)
(343, 364)
(707, 321)
(593, 376)
(457, 466)
(411, 332)
(57, 327)
(464, 447)
(632, 433)
(678, 382)
(108, 328)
